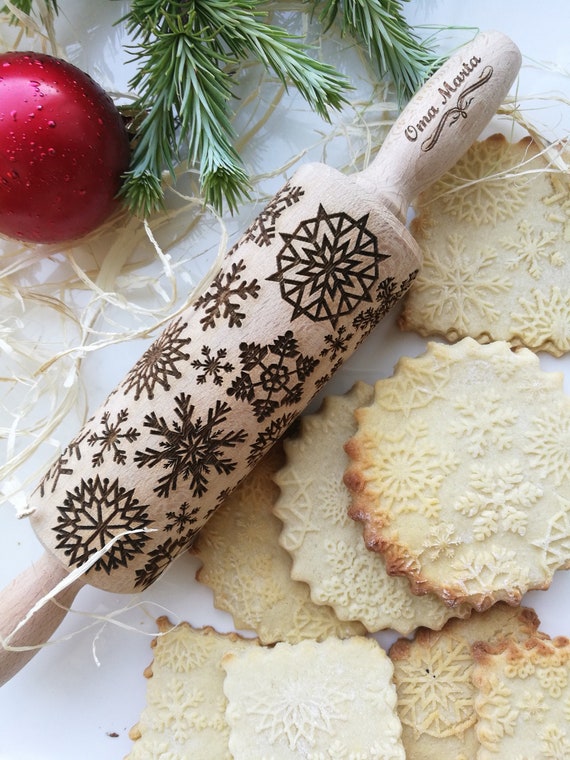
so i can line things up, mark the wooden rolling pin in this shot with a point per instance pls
(311, 277)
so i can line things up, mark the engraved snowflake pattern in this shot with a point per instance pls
(212, 365)
(544, 319)
(224, 297)
(498, 499)
(110, 438)
(549, 444)
(271, 375)
(457, 283)
(190, 448)
(388, 294)
(262, 231)
(159, 363)
(62, 466)
(265, 438)
(483, 423)
(532, 248)
(159, 559)
(336, 345)
(328, 266)
(96, 512)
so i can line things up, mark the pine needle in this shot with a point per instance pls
(381, 28)
(186, 52)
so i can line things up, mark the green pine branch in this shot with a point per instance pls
(185, 52)
(381, 28)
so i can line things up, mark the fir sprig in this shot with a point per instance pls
(381, 28)
(185, 52)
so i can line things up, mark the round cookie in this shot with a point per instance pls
(460, 472)
(325, 544)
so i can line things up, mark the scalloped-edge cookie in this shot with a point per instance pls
(494, 233)
(185, 707)
(523, 702)
(460, 472)
(325, 544)
(433, 676)
(250, 573)
(315, 700)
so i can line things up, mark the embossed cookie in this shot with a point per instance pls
(184, 714)
(326, 545)
(250, 574)
(494, 232)
(433, 676)
(523, 704)
(330, 699)
(460, 472)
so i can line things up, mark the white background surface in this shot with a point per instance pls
(88, 685)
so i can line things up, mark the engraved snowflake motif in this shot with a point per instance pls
(262, 231)
(532, 248)
(327, 266)
(388, 294)
(212, 365)
(544, 319)
(549, 444)
(110, 438)
(272, 375)
(159, 559)
(498, 499)
(159, 363)
(268, 436)
(484, 422)
(225, 295)
(190, 448)
(292, 711)
(435, 695)
(62, 465)
(95, 513)
(336, 345)
(459, 284)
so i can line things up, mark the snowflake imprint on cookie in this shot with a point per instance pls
(480, 528)
(494, 236)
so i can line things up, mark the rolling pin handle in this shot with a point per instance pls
(20, 641)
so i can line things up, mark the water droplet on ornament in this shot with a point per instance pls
(51, 151)
(14, 115)
(39, 108)
(51, 124)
